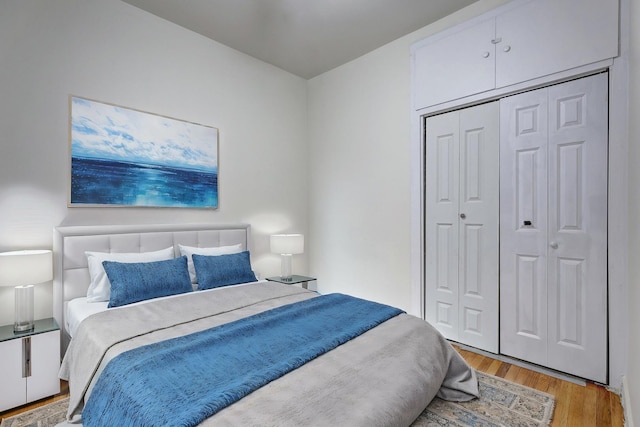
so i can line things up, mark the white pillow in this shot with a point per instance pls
(100, 287)
(218, 250)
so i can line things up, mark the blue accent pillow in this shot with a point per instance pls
(133, 282)
(223, 270)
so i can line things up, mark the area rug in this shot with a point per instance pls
(44, 416)
(501, 403)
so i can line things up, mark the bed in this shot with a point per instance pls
(341, 360)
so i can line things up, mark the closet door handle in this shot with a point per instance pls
(463, 216)
(553, 245)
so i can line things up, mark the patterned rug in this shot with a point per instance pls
(44, 416)
(501, 403)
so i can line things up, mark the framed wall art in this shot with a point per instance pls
(126, 157)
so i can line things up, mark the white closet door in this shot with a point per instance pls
(553, 225)
(462, 148)
(577, 251)
(478, 241)
(523, 226)
(441, 222)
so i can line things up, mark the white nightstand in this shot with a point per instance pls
(29, 363)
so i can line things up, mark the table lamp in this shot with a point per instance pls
(23, 269)
(287, 245)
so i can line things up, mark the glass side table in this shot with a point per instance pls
(295, 279)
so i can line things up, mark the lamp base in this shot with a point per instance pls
(24, 309)
(23, 327)
(285, 273)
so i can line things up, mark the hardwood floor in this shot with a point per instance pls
(576, 405)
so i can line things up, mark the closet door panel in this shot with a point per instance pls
(578, 227)
(441, 223)
(461, 223)
(479, 180)
(553, 280)
(523, 225)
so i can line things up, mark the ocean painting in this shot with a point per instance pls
(125, 157)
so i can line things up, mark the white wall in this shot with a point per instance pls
(633, 377)
(110, 51)
(360, 171)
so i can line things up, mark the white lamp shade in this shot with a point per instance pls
(25, 267)
(289, 244)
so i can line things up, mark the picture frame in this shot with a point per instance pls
(122, 157)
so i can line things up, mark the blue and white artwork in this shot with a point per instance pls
(124, 157)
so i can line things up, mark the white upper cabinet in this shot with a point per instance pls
(465, 57)
(522, 41)
(543, 37)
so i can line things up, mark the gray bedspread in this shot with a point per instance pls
(385, 377)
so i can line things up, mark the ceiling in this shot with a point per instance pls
(304, 37)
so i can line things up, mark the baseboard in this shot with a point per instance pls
(521, 363)
(626, 403)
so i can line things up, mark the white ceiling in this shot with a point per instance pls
(304, 37)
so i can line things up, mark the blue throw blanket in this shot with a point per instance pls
(183, 381)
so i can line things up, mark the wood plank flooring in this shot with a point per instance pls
(589, 406)
(576, 405)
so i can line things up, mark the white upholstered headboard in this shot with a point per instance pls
(71, 274)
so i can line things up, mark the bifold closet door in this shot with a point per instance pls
(461, 223)
(553, 227)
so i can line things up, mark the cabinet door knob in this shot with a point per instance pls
(554, 245)
(485, 55)
(507, 48)
(463, 216)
